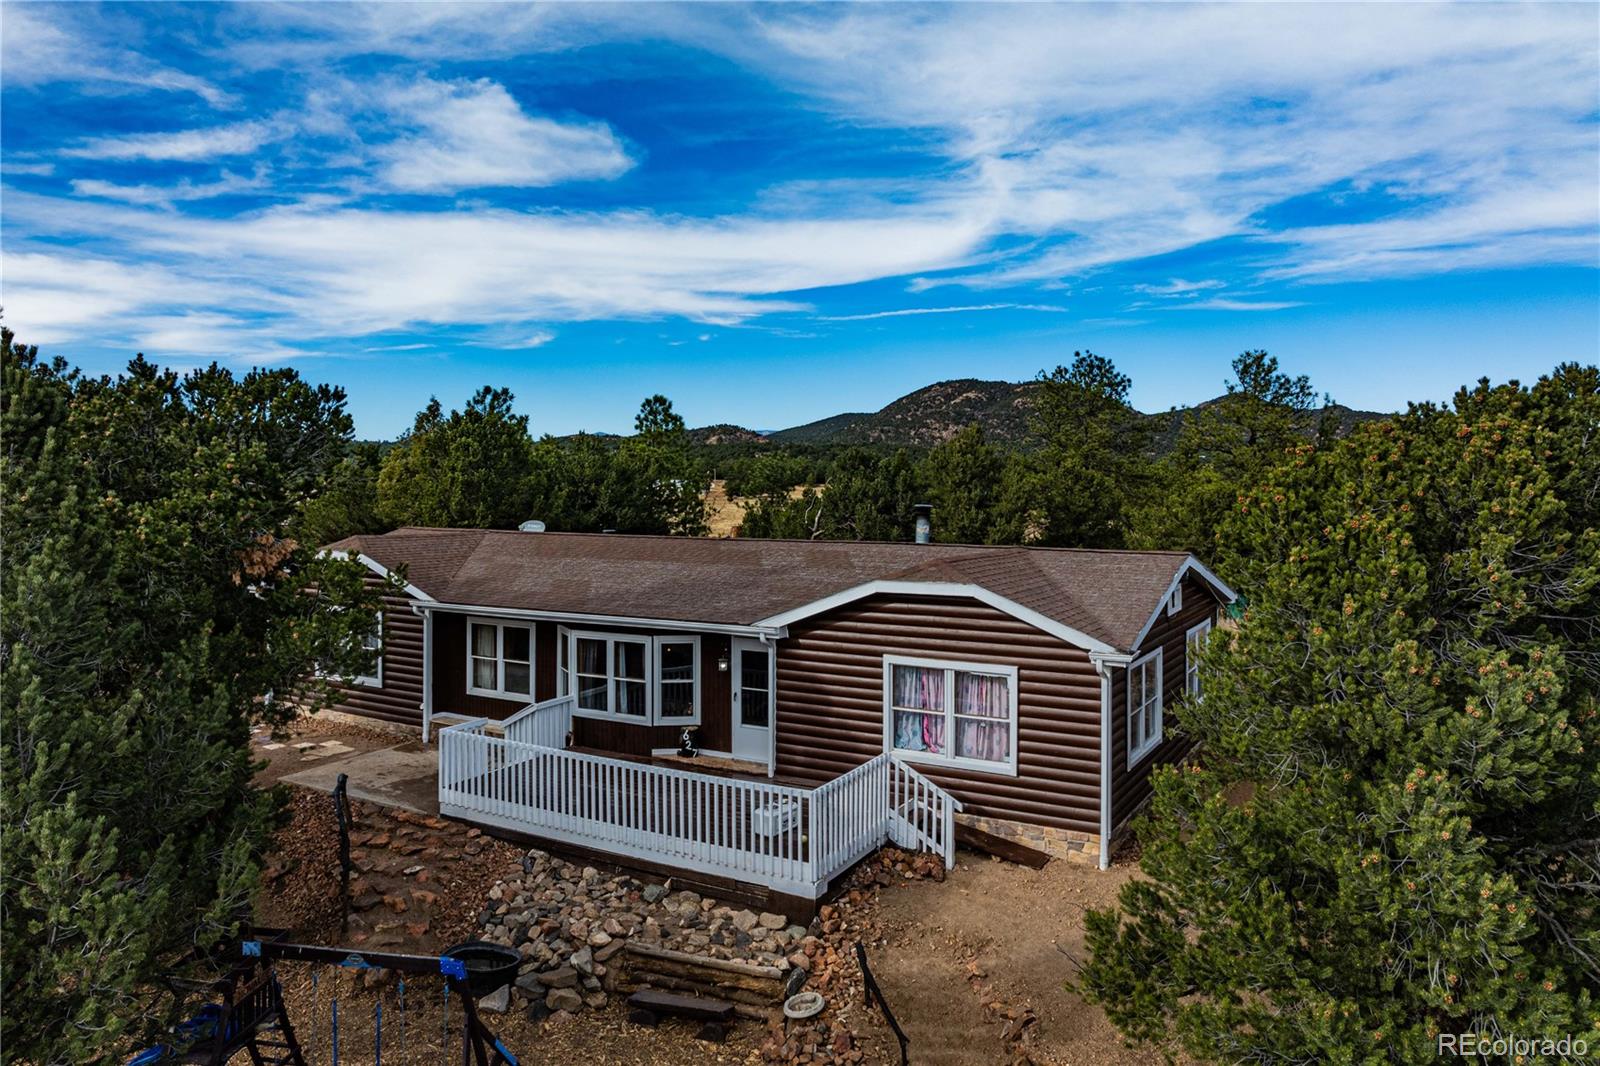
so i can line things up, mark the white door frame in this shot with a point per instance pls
(757, 748)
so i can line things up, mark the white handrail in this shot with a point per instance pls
(548, 723)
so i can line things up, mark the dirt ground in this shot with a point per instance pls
(994, 932)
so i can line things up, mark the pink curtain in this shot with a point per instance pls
(983, 696)
(919, 689)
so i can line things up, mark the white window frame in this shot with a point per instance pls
(1152, 741)
(1175, 601)
(951, 667)
(1194, 639)
(375, 679)
(563, 661)
(656, 716)
(500, 625)
(611, 640)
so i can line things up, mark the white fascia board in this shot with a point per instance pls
(946, 589)
(1190, 565)
(378, 568)
(759, 629)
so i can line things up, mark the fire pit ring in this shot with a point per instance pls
(803, 1005)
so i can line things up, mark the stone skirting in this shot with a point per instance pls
(1069, 844)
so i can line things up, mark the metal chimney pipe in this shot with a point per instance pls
(924, 519)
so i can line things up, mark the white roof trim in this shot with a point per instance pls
(381, 570)
(1190, 564)
(759, 629)
(942, 588)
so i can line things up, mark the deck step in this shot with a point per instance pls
(704, 1010)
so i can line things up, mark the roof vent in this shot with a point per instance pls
(533, 525)
(924, 521)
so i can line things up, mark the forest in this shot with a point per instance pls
(1087, 471)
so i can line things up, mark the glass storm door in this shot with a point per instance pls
(752, 700)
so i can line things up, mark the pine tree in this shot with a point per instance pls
(1393, 830)
(146, 608)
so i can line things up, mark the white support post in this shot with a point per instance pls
(427, 674)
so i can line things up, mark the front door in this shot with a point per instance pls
(752, 700)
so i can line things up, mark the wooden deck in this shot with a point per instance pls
(787, 837)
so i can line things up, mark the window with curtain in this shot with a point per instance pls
(372, 643)
(964, 714)
(499, 659)
(610, 674)
(1144, 706)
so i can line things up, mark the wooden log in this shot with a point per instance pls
(684, 984)
(701, 1009)
(705, 975)
(748, 969)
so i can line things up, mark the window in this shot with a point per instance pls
(648, 680)
(610, 674)
(677, 680)
(963, 714)
(372, 642)
(1193, 644)
(1175, 601)
(1144, 706)
(499, 660)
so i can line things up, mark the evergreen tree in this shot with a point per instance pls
(1224, 448)
(964, 478)
(868, 496)
(1393, 830)
(348, 504)
(148, 606)
(470, 468)
(1091, 459)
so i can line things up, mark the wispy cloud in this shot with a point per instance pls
(868, 315)
(1222, 303)
(216, 142)
(1179, 287)
(180, 192)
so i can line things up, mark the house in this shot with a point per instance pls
(836, 694)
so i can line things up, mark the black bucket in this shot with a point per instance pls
(489, 966)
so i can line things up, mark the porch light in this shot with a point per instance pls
(722, 663)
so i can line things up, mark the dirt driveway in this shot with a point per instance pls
(996, 933)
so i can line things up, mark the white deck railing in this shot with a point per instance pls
(547, 724)
(794, 840)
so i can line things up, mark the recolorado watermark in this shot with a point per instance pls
(1482, 1045)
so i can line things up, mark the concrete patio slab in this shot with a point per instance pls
(405, 776)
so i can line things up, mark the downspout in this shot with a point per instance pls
(772, 711)
(1103, 666)
(427, 670)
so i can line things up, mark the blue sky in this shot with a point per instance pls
(772, 214)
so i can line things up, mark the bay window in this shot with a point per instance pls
(499, 659)
(963, 714)
(1144, 706)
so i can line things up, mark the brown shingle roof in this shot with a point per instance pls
(1107, 595)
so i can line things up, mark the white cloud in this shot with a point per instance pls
(1179, 287)
(1223, 303)
(166, 195)
(901, 312)
(473, 134)
(46, 44)
(34, 169)
(240, 138)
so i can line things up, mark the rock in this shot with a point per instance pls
(745, 921)
(564, 999)
(529, 982)
(498, 1001)
(411, 870)
(796, 932)
(596, 1000)
(583, 960)
(599, 938)
(773, 921)
(561, 977)
(605, 954)
(653, 893)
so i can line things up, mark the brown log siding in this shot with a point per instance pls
(830, 703)
(1131, 789)
(399, 699)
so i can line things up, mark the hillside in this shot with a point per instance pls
(928, 416)
(933, 414)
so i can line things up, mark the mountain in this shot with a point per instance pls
(934, 414)
(928, 416)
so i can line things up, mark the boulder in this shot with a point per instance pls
(564, 999)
